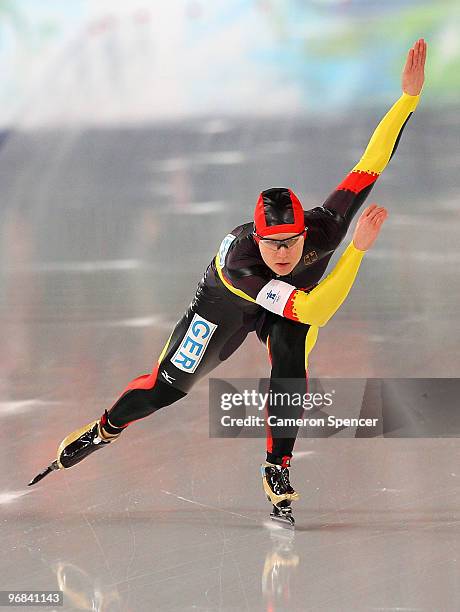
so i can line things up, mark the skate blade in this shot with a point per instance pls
(46, 471)
(289, 523)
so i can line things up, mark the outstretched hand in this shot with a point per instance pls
(368, 226)
(413, 75)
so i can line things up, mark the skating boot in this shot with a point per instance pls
(79, 444)
(275, 480)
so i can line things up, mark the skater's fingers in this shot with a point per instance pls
(409, 60)
(421, 59)
(416, 54)
(419, 52)
(374, 213)
(378, 221)
(369, 210)
(380, 218)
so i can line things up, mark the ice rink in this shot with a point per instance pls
(105, 233)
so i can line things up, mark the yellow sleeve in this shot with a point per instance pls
(385, 137)
(318, 306)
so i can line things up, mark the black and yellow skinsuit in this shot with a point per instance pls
(239, 294)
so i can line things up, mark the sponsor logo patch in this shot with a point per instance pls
(310, 258)
(274, 296)
(223, 249)
(167, 377)
(271, 295)
(193, 346)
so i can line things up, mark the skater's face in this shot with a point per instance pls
(285, 258)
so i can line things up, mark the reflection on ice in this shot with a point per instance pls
(280, 565)
(81, 592)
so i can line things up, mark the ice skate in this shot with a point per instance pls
(78, 445)
(275, 480)
(282, 513)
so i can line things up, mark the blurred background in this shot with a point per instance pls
(133, 137)
(136, 135)
(111, 63)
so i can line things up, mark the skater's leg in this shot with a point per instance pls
(288, 344)
(202, 339)
(179, 368)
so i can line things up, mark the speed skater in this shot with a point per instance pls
(265, 278)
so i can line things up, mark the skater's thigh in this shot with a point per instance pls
(200, 341)
(286, 340)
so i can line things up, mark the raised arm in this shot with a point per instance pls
(350, 194)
